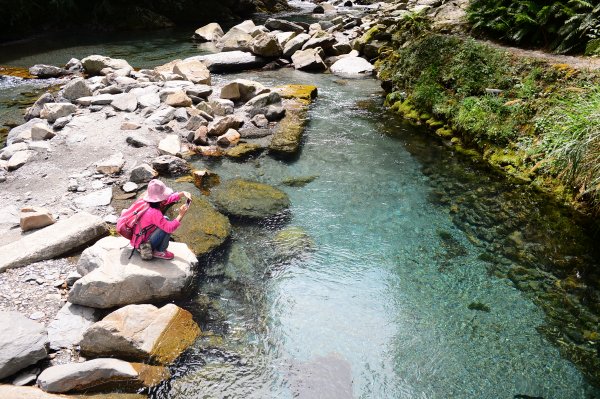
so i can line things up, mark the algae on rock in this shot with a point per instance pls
(249, 199)
(203, 229)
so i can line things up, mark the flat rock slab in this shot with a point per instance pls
(115, 280)
(143, 333)
(101, 374)
(15, 392)
(94, 199)
(248, 199)
(53, 241)
(230, 61)
(22, 342)
(68, 326)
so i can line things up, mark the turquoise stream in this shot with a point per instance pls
(378, 307)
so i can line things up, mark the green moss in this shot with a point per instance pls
(288, 132)
(445, 132)
(299, 92)
(482, 307)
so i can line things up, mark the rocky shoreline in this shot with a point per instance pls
(88, 150)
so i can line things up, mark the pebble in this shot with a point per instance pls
(130, 187)
(36, 315)
(57, 283)
(111, 219)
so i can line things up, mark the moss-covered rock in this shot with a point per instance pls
(287, 134)
(203, 229)
(248, 199)
(298, 181)
(244, 150)
(299, 92)
(292, 241)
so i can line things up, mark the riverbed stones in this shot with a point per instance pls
(23, 342)
(221, 107)
(34, 217)
(178, 99)
(231, 61)
(126, 102)
(17, 134)
(140, 140)
(94, 64)
(41, 131)
(100, 374)
(205, 229)
(36, 108)
(283, 25)
(248, 199)
(208, 33)
(161, 116)
(268, 104)
(295, 44)
(242, 90)
(220, 126)
(320, 39)
(287, 136)
(352, 67)
(111, 165)
(53, 111)
(52, 241)
(76, 88)
(143, 173)
(43, 71)
(117, 280)
(10, 150)
(229, 138)
(193, 71)
(19, 159)
(169, 165)
(292, 241)
(309, 60)
(266, 45)
(143, 333)
(170, 145)
(67, 328)
(94, 199)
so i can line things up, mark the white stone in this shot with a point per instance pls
(67, 328)
(130, 187)
(193, 71)
(111, 165)
(125, 102)
(208, 33)
(41, 131)
(170, 145)
(352, 67)
(95, 199)
(34, 218)
(19, 159)
(22, 342)
(53, 111)
(116, 280)
(94, 64)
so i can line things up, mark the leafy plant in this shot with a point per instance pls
(562, 26)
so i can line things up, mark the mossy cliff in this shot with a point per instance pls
(529, 118)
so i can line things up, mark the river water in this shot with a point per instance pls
(399, 291)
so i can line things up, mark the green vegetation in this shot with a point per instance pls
(537, 122)
(561, 26)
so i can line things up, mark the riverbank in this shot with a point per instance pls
(532, 117)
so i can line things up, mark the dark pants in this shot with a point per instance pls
(159, 240)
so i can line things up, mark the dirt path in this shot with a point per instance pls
(577, 62)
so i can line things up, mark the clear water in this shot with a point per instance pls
(378, 306)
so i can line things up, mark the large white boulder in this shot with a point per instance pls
(230, 61)
(142, 332)
(53, 111)
(76, 88)
(310, 60)
(127, 102)
(53, 241)
(98, 373)
(117, 280)
(193, 71)
(295, 44)
(170, 145)
(266, 45)
(242, 90)
(352, 67)
(208, 33)
(96, 63)
(22, 342)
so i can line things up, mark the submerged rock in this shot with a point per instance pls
(248, 199)
(292, 241)
(203, 229)
(288, 132)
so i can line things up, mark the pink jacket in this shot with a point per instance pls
(154, 217)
